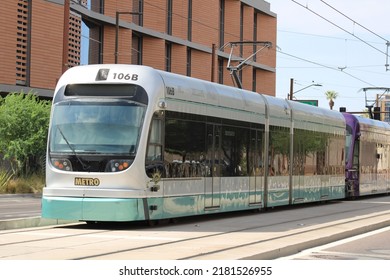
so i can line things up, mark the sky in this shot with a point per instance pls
(339, 44)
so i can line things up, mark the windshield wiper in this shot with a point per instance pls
(85, 166)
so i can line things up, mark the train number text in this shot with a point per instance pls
(125, 76)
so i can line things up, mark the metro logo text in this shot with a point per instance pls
(86, 181)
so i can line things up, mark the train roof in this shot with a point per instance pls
(240, 103)
(317, 118)
(89, 74)
(279, 110)
(366, 122)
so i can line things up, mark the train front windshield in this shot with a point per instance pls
(82, 126)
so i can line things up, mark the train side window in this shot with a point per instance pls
(279, 151)
(235, 148)
(154, 160)
(356, 154)
(184, 148)
(256, 153)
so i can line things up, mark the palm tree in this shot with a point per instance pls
(331, 95)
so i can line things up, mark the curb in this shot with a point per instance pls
(34, 195)
(31, 222)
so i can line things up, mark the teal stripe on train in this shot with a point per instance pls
(92, 209)
(122, 209)
(305, 195)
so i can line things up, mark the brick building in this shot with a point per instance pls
(31, 55)
(181, 36)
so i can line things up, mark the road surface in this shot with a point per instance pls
(19, 206)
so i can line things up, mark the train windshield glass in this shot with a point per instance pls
(96, 126)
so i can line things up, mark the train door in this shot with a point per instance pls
(213, 159)
(256, 172)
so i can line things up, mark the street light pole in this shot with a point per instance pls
(117, 31)
(291, 95)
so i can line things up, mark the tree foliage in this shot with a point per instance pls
(23, 131)
(331, 95)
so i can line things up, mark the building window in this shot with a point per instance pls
(138, 8)
(189, 23)
(168, 56)
(96, 5)
(169, 16)
(255, 36)
(188, 72)
(136, 49)
(91, 40)
(221, 22)
(241, 29)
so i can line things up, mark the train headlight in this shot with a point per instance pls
(116, 165)
(61, 164)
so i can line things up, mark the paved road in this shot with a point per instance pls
(19, 206)
(373, 245)
(245, 235)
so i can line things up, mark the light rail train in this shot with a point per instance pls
(130, 143)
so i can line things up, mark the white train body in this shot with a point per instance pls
(131, 143)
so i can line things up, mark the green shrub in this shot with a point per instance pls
(23, 132)
(30, 184)
(5, 177)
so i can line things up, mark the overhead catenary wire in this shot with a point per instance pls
(325, 36)
(338, 26)
(355, 22)
(372, 32)
(338, 38)
(326, 66)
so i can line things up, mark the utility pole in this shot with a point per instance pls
(291, 89)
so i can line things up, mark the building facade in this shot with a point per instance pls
(187, 37)
(384, 107)
(31, 55)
